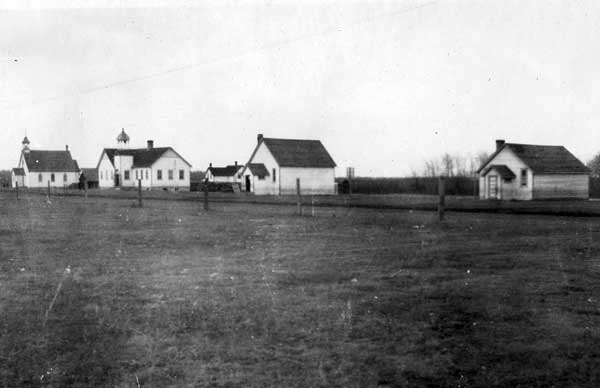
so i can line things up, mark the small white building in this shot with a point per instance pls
(276, 164)
(38, 168)
(154, 167)
(230, 173)
(527, 171)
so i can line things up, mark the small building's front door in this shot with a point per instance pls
(116, 179)
(248, 183)
(493, 186)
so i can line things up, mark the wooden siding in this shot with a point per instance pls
(312, 180)
(561, 186)
(263, 186)
(508, 189)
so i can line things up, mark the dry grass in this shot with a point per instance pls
(253, 296)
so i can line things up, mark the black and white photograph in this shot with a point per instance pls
(290, 193)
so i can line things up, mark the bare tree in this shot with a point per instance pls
(448, 164)
(431, 168)
(594, 166)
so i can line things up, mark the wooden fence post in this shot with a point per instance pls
(17, 189)
(140, 192)
(442, 193)
(48, 189)
(299, 198)
(206, 196)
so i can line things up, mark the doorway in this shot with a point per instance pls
(493, 187)
(248, 183)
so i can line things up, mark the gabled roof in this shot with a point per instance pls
(503, 170)
(230, 170)
(258, 169)
(91, 174)
(50, 161)
(18, 171)
(543, 159)
(142, 157)
(299, 153)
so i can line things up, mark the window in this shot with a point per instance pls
(159, 175)
(52, 177)
(101, 175)
(146, 174)
(181, 174)
(274, 176)
(64, 177)
(126, 173)
(170, 175)
(136, 175)
(261, 178)
(112, 174)
(524, 177)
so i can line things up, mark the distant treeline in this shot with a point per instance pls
(425, 185)
(594, 187)
(412, 185)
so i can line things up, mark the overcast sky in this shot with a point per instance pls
(384, 85)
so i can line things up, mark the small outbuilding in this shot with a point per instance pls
(89, 176)
(227, 174)
(528, 171)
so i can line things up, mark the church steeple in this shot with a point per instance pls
(25, 144)
(123, 139)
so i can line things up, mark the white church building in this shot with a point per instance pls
(40, 168)
(154, 167)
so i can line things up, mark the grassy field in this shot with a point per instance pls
(101, 293)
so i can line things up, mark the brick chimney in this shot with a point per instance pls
(67, 147)
(499, 144)
(150, 144)
(259, 137)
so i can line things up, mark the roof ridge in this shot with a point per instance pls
(279, 138)
(534, 145)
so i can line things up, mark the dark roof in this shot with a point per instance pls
(142, 157)
(543, 159)
(503, 170)
(258, 169)
(299, 153)
(90, 174)
(18, 171)
(50, 161)
(224, 171)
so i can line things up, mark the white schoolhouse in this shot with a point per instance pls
(155, 167)
(275, 165)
